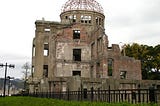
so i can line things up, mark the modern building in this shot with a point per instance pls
(75, 52)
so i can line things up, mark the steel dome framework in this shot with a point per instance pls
(90, 5)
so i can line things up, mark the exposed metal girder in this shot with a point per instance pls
(90, 5)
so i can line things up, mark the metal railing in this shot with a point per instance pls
(110, 96)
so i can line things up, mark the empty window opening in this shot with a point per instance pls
(100, 21)
(82, 21)
(77, 54)
(76, 34)
(76, 73)
(45, 70)
(73, 18)
(99, 44)
(86, 19)
(158, 87)
(66, 17)
(89, 17)
(96, 21)
(91, 72)
(85, 93)
(93, 50)
(110, 67)
(45, 52)
(98, 74)
(47, 29)
(32, 71)
(123, 74)
(34, 50)
(109, 48)
(46, 49)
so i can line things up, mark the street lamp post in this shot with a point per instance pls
(9, 83)
(6, 65)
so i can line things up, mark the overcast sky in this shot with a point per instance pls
(126, 21)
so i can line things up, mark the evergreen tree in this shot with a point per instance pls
(150, 59)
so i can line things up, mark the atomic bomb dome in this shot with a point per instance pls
(90, 5)
(74, 55)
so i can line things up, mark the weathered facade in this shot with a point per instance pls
(75, 52)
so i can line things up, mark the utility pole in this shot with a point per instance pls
(6, 65)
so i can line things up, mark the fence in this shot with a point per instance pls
(126, 95)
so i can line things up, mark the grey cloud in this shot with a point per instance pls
(142, 23)
(150, 11)
(144, 11)
(17, 60)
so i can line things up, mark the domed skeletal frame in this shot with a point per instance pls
(90, 5)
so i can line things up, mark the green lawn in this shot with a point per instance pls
(31, 101)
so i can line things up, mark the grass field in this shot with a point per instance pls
(31, 101)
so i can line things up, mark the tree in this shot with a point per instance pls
(27, 67)
(156, 58)
(150, 59)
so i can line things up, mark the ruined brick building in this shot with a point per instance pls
(75, 53)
